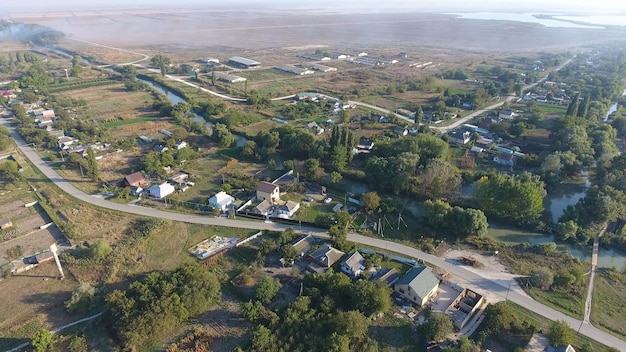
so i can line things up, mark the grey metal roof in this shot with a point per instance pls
(420, 279)
(244, 61)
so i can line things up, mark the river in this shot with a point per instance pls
(613, 108)
(173, 98)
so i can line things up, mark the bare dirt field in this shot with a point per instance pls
(224, 31)
(489, 266)
(35, 295)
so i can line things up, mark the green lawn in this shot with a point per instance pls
(394, 334)
(608, 308)
(130, 121)
(543, 323)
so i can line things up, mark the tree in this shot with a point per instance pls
(161, 62)
(560, 333)
(438, 179)
(11, 169)
(541, 278)
(370, 202)
(92, 165)
(437, 327)
(99, 250)
(266, 289)
(263, 340)
(77, 67)
(42, 340)
(372, 298)
(567, 229)
(518, 198)
(339, 236)
(224, 137)
(311, 166)
(335, 177)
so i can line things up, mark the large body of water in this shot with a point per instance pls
(523, 17)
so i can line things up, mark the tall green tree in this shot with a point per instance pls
(560, 333)
(437, 327)
(93, 171)
(517, 198)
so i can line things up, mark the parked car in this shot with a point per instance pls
(328, 200)
(308, 199)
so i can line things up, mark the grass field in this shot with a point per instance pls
(112, 103)
(543, 323)
(131, 121)
(608, 308)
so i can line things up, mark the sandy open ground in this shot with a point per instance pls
(241, 30)
(491, 267)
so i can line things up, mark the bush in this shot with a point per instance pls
(99, 250)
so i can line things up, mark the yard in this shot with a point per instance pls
(608, 309)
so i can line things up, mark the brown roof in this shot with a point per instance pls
(266, 187)
(134, 178)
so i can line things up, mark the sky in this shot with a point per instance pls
(559, 6)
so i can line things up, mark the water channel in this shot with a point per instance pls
(613, 108)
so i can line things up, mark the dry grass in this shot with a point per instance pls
(113, 102)
(35, 296)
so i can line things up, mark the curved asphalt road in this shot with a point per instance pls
(471, 279)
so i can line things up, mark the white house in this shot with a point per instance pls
(288, 209)
(353, 265)
(161, 191)
(221, 201)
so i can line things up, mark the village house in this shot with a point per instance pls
(135, 179)
(505, 159)
(264, 208)
(353, 265)
(324, 257)
(418, 285)
(365, 144)
(459, 137)
(221, 201)
(387, 276)
(506, 114)
(287, 210)
(303, 244)
(267, 191)
(313, 126)
(560, 348)
(401, 131)
(161, 191)
(180, 144)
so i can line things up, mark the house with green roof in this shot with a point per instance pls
(418, 285)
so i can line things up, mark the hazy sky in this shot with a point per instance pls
(564, 6)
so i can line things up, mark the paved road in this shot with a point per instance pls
(472, 280)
